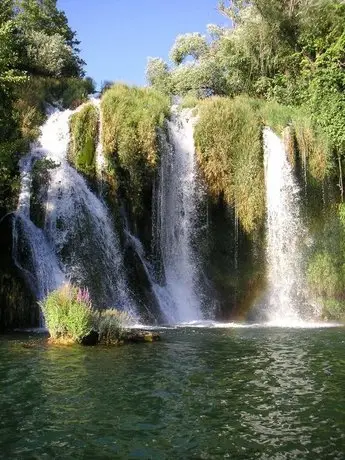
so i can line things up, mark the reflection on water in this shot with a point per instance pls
(199, 394)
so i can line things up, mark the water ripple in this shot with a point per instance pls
(199, 394)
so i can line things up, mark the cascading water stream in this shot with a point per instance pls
(284, 234)
(160, 294)
(78, 234)
(79, 226)
(31, 251)
(178, 196)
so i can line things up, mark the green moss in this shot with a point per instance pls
(326, 262)
(313, 147)
(229, 151)
(324, 277)
(334, 309)
(130, 141)
(84, 132)
(232, 262)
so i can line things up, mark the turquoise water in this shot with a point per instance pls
(241, 393)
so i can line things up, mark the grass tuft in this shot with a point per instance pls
(111, 325)
(68, 313)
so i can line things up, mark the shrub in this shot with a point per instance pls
(68, 313)
(275, 115)
(30, 118)
(111, 324)
(229, 152)
(84, 132)
(74, 91)
(70, 317)
(189, 101)
(49, 54)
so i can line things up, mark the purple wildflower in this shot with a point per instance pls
(83, 295)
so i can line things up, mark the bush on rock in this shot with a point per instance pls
(68, 313)
(70, 318)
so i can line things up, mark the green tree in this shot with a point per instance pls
(49, 54)
(43, 17)
(189, 45)
(157, 74)
(39, 62)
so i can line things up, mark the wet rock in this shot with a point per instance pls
(140, 336)
(18, 307)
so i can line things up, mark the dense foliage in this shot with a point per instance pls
(287, 52)
(131, 117)
(228, 144)
(39, 64)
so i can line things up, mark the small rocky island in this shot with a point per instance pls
(127, 336)
(71, 318)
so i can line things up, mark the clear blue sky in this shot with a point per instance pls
(117, 36)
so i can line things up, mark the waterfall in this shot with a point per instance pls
(32, 253)
(79, 235)
(178, 198)
(284, 234)
(160, 295)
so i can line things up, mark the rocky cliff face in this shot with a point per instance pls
(18, 307)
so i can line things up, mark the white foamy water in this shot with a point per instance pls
(177, 215)
(32, 253)
(79, 237)
(41, 267)
(206, 324)
(284, 234)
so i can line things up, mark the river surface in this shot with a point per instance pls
(201, 393)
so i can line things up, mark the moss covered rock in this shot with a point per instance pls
(18, 308)
(84, 138)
